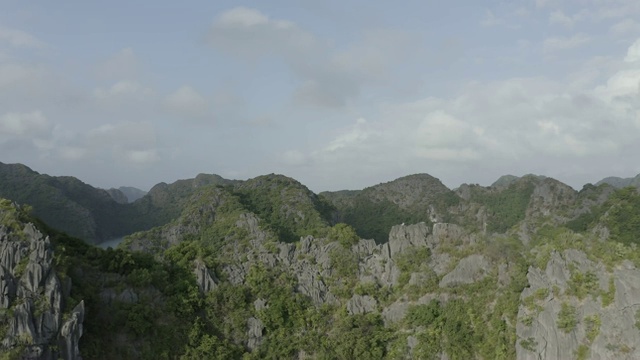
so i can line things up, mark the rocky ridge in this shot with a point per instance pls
(33, 322)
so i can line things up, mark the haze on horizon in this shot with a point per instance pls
(338, 96)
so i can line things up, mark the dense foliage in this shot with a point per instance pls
(288, 207)
(373, 219)
(506, 207)
(150, 305)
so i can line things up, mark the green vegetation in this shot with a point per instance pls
(592, 325)
(609, 296)
(623, 216)
(581, 285)
(149, 305)
(373, 219)
(344, 234)
(582, 352)
(288, 208)
(506, 207)
(567, 318)
(529, 344)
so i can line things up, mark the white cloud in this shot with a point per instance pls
(502, 124)
(633, 53)
(72, 153)
(19, 38)
(125, 133)
(295, 158)
(543, 3)
(247, 17)
(326, 76)
(14, 76)
(440, 129)
(564, 43)
(187, 102)
(626, 26)
(128, 142)
(490, 19)
(558, 17)
(249, 33)
(123, 88)
(353, 137)
(141, 156)
(122, 65)
(24, 124)
(623, 83)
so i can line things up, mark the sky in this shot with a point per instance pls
(338, 95)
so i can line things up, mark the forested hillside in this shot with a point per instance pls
(528, 268)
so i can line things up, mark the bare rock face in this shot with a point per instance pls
(31, 298)
(404, 237)
(604, 329)
(71, 332)
(204, 277)
(469, 270)
(254, 332)
(359, 304)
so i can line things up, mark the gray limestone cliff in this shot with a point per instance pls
(33, 324)
(557, 321)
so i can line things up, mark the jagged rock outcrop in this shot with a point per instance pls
(204, 277)
(604, 330)
(31, 297)
(404, 237)
(360, 304)
(71, 332)
(469, 270)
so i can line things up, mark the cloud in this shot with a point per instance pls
(633, 53)
(356, 135)
(626, 26)
(326, 76)
(441, 136)
(122, 65)
(127, 142)
(127, 134)
(517, 124)
(247, 17)
(72, 153)
(123, 89)
(26, 132)
(247, 33)
(554, 44)
(559, 17)
(294, 158)
(490, 19)
(141, 156)
(15, 76)
(543, 3)
(187, 102)
(19, 38)
(24, 124)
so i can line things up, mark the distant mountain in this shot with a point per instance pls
(620, 183)
(118, 196)
(505, 180)
(284, 208)
(126, 194)
(263, 269)
(64, 202)
(374, 210)
(95, 215)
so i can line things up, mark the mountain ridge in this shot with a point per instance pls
(266, 268)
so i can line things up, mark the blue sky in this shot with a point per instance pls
(335, 95)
